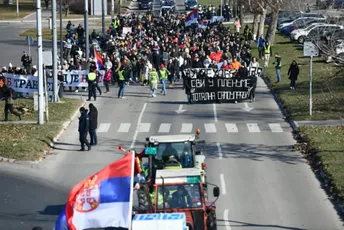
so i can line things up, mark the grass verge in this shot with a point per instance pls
(46, 34)
(30, 141)
(328, 85)
(324, 149)
(10, 11)
(58, 112)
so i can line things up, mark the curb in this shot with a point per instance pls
(292, 123)
(65, 125)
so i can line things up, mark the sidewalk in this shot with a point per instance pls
(320, 123)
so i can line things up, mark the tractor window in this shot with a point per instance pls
(181, 196)
(180, 150)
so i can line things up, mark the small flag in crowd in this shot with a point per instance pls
(99, 60)
(203, 24)
(191, 18)
(102, 200)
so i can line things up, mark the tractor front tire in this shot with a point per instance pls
(211, 222)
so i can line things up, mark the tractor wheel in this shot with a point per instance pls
(211, 222)
(142, 198)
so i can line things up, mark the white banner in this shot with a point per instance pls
(29, 84)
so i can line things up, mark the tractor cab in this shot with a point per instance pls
(182, 191)
(177, 152)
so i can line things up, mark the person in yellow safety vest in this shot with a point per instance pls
(181, 198)
(160, 199)
(92, 83)
(153, 79)
(267, 53)
(163, 78)
(172, 163)
(121, 83)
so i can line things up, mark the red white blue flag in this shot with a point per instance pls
(99, 60)
(191, 18)
(102, 200)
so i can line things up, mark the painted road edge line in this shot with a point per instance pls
(138, 124)
(219, 150)
(215, 112)
(223, 184)
(226, 219)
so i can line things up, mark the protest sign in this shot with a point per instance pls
(29, 84)
(213, 85)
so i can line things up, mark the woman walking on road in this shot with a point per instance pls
(293, 73)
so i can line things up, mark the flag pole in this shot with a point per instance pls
(131, 190)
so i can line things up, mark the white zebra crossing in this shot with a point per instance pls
(231, 128)
(186, 128)
(124, 128)
(165, 128)
(253, 127)
(210, 128)
(103, 127)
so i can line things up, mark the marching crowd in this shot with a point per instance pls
(158, 49)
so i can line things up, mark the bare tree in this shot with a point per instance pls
(258, 8)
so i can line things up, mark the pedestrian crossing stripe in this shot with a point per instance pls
(165, 128)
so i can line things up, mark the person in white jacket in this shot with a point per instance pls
(146, 70)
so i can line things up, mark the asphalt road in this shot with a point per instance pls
(264, 184)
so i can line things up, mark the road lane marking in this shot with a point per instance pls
(186, 128)
(164, 128)
(215, 112)
(226, 219)
(253, 128)
(223, 184)
(103, 127)
(143, 127)
(124, 128)
(276, 128)
(210, 128)
(219, 150)
(231, 128)
(138, 122)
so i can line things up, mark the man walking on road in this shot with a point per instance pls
(267, 52)
(9, 103)
(92, 83)
(153, 79)
(163, 78)
(93, 116)
(84, 125)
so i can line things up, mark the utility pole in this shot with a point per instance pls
(103, 16)
(87, 45)
(40, 64)
(17, 8)
(112, 8)
(55, 88)
(61, 36)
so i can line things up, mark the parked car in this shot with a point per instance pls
(145, 5)
(301, 20)
(334, 35)
(296, 16)
(191, 4)
(300, 35)
(319, 32)
(300, 25)
(167, 2)
(166, 10)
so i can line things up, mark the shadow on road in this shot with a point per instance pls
(239, 224)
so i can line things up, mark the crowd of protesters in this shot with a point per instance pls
(163, 43)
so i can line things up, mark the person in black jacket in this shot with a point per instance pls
(84, 124)
(8, 97)
(293, 73)
(93, 116)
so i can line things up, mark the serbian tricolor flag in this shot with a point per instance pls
(99, 60)
(203, 24)
(191, 18)
(102, 200)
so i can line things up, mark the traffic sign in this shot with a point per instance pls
(310, 49)
(29, 40)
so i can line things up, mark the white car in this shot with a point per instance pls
(301, 34)
(299, 21)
